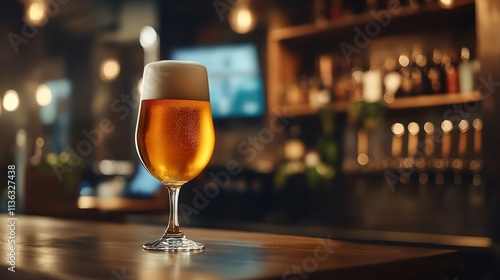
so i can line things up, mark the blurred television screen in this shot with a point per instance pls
(235, 82)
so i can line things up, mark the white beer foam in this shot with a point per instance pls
(174, 79)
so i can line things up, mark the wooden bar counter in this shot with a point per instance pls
(49, 248)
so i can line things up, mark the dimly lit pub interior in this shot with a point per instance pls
(290, 139)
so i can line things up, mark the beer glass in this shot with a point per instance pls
(174, 135)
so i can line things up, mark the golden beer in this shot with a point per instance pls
(175, 138)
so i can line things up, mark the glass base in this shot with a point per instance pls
(173, 244)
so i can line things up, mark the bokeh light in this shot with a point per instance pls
(10, 100)
(36, 13)
(241, 19)
(43, 95)
(110, 69)
(148, 37)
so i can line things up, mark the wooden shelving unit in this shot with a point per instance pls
(398, 103)
(435, 100)
(405, 18)
(287, 44)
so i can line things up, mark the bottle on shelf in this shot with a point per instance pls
(436, 74)
(467, 71)
(319, 15)
(355, 84)
(325, 65)
(419, 79)
(342, 81)
(406, 81)
(371, 5)
(314, 92)
(336, 9)
(356, 89)
(391, 79)
(414, 3)
(291, 94)
(297, 93)
(451, 68)
(372, 85)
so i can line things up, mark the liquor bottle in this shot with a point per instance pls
(406, 82)
(414, 3)
(342, 80)
(336, 9)
(391, 79)
(291, 94)
(319, 12)
(356, 92)
(419, 79)
(296, 93)
(356, 86)
(319, 95)
(371, 5)
(372, 85)
(467, 71)
(325, 68)
(452, 80)
(313, 94)
(436, 74)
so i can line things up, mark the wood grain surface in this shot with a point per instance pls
(49, 248)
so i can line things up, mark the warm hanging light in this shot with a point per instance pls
(446, 3)
(110, 68)
(43, 95)
(36, 12)
(10, 100)
(241, 18)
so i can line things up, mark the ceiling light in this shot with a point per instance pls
(36, 12)
(241, 18)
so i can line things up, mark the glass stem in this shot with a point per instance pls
(173, 228)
